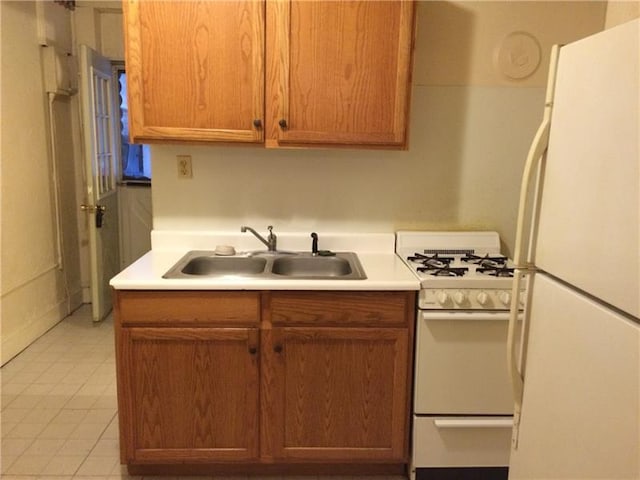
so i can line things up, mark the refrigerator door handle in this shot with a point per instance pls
(521, 255)
(537, 150)
(523, 252)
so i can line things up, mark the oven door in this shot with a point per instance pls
(461, 363)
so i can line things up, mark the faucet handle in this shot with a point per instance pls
(271, 239)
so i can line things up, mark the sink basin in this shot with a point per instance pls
(310, 266)
(301, 265)
(209, 265)
(224, 266)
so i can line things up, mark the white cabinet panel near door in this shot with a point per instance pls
(135, 222)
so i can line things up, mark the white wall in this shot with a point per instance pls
(470, 131)
(620, 11)
(37, 288)
(467, 120)
(35, 292)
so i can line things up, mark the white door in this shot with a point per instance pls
(101, 174)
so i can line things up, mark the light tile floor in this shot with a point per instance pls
(58, 418)
(59, 404)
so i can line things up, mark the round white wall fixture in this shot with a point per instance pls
(518, 55)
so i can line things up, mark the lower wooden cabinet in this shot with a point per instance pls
(336, 394)
(189, 394)
(295, 384)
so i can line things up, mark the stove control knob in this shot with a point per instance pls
(522, 298)
(459, 297)
(442, 297)
(505, 298)
(483, 298)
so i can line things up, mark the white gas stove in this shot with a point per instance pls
(462, 392)
(458, 270)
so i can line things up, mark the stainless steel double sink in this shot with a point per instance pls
(273, 265)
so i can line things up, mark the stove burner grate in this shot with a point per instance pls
(487, 261)
(496, 271)
(432, 261)
(446, 271)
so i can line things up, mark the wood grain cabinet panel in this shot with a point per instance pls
(187, 308)
(370, 309)
(192, 394)
(195, 70)
(338, 72)
(337, 394)
(283, 73)
(282, 379)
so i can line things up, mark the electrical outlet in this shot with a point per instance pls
(184, 166)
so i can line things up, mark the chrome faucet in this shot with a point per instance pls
(270, 241)
(314, 243)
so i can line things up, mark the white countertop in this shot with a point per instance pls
(384, 269)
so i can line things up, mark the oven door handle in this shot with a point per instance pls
(505, 422)
(473, 316)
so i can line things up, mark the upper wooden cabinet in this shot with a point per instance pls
(195, 70)
(338, 73)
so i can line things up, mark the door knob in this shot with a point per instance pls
(92, 208)
(97, 209)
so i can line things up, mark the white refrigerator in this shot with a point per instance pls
(576, 365)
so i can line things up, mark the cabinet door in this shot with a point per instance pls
(335, 394)
(191, 394)
(338, 71)
(195, 70)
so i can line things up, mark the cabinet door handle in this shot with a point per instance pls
(253, 350)
(277, 348)
(257, 123)
(283, 123)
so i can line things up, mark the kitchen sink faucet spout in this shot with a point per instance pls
(270, 241)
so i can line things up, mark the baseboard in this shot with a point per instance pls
(76, 300)
(28, 332)
(268, 469)
(86, 295)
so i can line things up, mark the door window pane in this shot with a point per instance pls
(136, 158)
